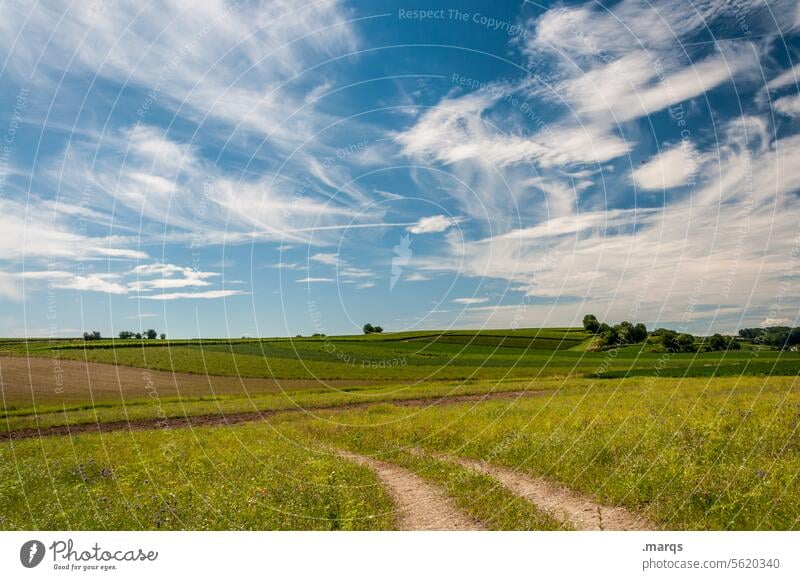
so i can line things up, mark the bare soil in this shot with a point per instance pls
(419, 505)
(562, 503)
(234, 418)
(48, 381)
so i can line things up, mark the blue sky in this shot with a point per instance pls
(281, 168)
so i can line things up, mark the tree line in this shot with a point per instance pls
(781, 337)
(660, 339)
(150, 334)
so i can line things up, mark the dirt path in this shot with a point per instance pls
(419, 505)
(245, 417)
(581, 512)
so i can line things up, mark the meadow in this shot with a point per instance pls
(681, 441)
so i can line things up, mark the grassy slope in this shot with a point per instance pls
(720, 455)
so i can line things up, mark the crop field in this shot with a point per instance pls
(418, 356)
(499, 430)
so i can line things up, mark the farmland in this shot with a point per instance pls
(316, 433)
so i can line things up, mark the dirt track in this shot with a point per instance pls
(561, 503)
(234, 418)
(419, 506)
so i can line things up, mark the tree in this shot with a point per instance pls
(717, 342)
(591, 324)
(368, 328)
(152, 334)
(377, 329)
(750, 333)
(608, 334)
(125, 334)
(163, 336)
(639, 333)
(669, 339)
(685, 342)
(138, 335)
(625, 332)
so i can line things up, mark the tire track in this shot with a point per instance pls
(419, 505)
(582, 512)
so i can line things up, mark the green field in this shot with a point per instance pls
(426, 355)
(686, 441)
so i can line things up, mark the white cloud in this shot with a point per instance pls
(673, 167)
(141, 278)
(169, 183)
(46, 275)
(92, 283)
(457, 130)
(188, 277)
(157, 268)
(596, 31)
(637, 84)
(470, 300)
(705, 250)
(206, 295)
(352, 272)
(225, 61)
(310, 280)
(329, 259)
(790, 77)
(431, 224)
(575, 224)
(777, 322)
(34, 231)
(789, 105)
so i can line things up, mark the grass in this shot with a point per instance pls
(689, 454)
(718, 455)
(51, 416)
(245, 478)
(693, 441)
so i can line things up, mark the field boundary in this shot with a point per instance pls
(211, 420)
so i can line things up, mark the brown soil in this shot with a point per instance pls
(47, 381)
(234, 418)
(561, 503)
(418, 505)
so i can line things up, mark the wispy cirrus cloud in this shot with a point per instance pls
(470, 301)
(228, 61)
(204, 295)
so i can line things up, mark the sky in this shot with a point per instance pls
(242, 168)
